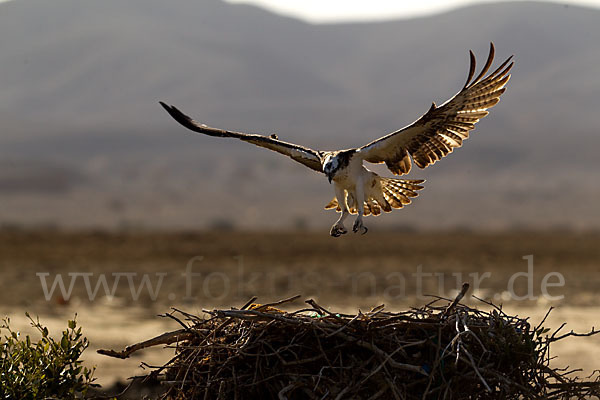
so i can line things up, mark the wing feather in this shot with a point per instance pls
(308, 157)
(442, 129)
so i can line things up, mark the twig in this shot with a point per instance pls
(280, 302)
(165, 338)
(461, 294)
(281, 395)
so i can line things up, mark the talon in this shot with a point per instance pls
(358, 226)
(337, 231)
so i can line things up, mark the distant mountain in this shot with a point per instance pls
(85, 143)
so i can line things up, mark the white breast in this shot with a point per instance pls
(347, 177)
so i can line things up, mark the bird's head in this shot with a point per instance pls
(330, 166)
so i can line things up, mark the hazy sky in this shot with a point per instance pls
(360, 10)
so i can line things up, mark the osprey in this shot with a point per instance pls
(434, 135)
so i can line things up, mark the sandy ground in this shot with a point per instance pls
(342, 275)
(110, 328)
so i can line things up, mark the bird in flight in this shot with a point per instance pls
(433, 136)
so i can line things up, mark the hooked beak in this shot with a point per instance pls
(329, 177)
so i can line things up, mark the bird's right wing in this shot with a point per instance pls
(442, 129)
(308, 157)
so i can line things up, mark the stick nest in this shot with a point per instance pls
(443, 350)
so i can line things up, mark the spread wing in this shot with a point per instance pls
(304, 155)
(439, 131)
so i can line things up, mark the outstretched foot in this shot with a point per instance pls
(359, 227)
(338, 230)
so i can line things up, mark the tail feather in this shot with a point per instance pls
(396, 193)
(333, 204)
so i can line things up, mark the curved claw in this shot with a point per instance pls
(337, 231)
(359, 227)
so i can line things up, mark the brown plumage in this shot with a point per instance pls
(442, 129)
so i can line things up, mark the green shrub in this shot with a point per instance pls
(47, 368)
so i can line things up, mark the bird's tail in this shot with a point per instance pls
(395, 193)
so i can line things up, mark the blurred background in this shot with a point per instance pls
(85, 144)
(96, 178)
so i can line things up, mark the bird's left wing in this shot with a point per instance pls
(442, 128)
(310, 158)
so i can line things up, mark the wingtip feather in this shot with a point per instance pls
(488, 63)
(165, 105)
(472, 66)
